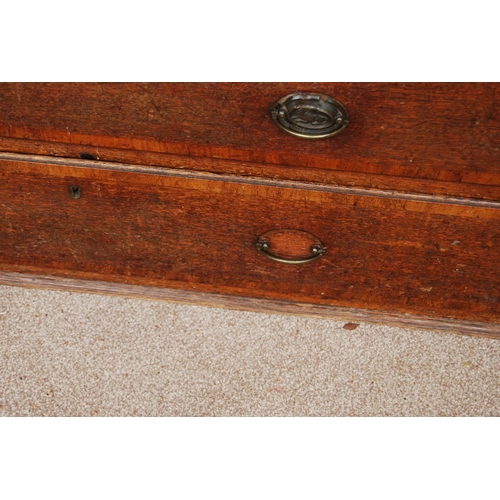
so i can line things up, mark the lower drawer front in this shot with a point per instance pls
(199, 232)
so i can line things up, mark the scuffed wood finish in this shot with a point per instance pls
(430, 138)
(250, 304)
(191, 231)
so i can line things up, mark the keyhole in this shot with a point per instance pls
(76, 192)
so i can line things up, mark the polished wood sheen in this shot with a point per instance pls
(387, 253)
(429, 138)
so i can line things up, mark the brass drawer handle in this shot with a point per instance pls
(316, 250)
(290, 246)
(312, 116)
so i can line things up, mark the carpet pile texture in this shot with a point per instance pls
(74, 354)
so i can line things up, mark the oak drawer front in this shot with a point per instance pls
(198, 232)
(446, 134)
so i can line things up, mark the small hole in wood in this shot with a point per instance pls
(88, 156)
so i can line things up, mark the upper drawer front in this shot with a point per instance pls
(197, 232)
(441, 132)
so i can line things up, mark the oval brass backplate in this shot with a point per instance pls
(312, 116)
(290, 246)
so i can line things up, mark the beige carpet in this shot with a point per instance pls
(71, 354)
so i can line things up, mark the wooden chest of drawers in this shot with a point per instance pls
(192, 192)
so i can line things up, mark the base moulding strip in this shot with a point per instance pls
(251, 304)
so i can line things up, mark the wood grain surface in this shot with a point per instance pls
(195, 231)
(37, 281)
(431, 138)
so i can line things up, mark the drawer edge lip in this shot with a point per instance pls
(251, 304)
(486, 189)
(260, 181)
